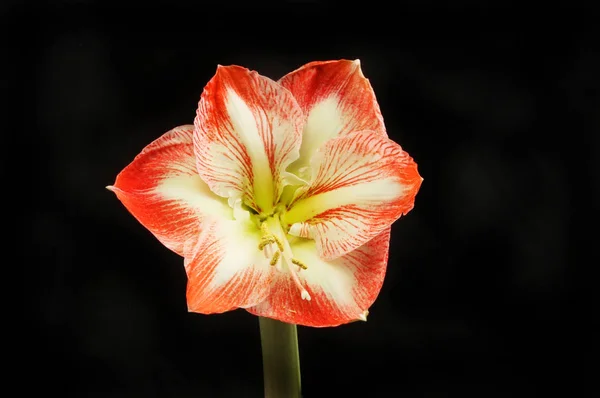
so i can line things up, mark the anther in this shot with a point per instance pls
(275, 258)
(299, 263)
(266, 240)
(278, 242)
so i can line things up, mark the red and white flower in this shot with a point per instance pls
(281, 195)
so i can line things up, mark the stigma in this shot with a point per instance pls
(276, 248)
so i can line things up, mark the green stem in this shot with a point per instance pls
(281, 362)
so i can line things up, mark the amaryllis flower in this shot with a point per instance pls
(281, 195)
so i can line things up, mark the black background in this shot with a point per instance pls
(497, 105)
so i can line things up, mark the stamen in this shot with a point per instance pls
(266, 240)
(275, 258)
(265, 244)
(279, 244)
(287, 255)
(285, 251)
(299, 263)
(267, 251)
(268, 237)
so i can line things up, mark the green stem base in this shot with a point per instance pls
(281, 361)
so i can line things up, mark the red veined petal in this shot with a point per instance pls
(341, 290)
(248, 129)
(362, 183)
(225, 268)
(337, 99)
(163, 191)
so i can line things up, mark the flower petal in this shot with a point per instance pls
(362, 183)
(163, 191)
(338, 100)
(341, 290)
(248, 130)
(225, 268)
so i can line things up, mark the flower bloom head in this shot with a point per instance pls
(281, 195)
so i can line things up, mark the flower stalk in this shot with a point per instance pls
(281, 361)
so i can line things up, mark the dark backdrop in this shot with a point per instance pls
(497, 105)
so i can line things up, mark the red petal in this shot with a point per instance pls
(248, 130)
(225, 268)
(341, 290)
(338, 100)
(163, 191)
(362, 183)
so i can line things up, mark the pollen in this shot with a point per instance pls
(275, 258)
(265, 243)
(299, 263)
(268, 238)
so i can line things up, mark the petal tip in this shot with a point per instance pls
(222, 68)
(114, 189)
(358, 69)
(363, 316)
